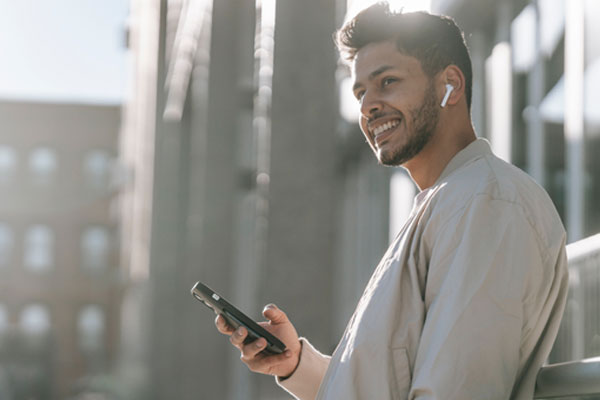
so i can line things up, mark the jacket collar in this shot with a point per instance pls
(476, 149)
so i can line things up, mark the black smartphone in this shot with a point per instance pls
(236, 318)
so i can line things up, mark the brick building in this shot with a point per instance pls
(59, 281)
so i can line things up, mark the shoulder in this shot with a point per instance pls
(489, 183)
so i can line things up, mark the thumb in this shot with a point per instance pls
(274, 314)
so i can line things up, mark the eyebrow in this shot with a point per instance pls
(373, 75)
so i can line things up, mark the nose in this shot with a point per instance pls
(370, 105)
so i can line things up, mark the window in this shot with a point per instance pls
(97, 164)
(8, 163)
(95, 247)
(91, 326)
(6, 244)
(39, 248)
(43, 163)
(35, 320)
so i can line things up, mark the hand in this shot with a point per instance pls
(282, 365)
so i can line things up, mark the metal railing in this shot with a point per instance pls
(579, 335)
(574, 378)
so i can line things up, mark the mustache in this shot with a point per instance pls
(379, 115)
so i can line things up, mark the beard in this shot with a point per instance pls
(425, 119)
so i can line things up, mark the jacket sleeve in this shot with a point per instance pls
(305, 381)
(485, 264)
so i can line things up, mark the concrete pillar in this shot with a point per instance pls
(245, 263)
(499, 86)
(477, 48)
(574, 123)
(165, 252)
(217, 201)
(302, 182)
(536, 141)
(195, 207)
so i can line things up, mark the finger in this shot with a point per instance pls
(223, 326)
(274, 314)
(266, 364)
(251, 350)
(238, 337)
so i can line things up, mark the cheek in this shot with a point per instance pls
(364, 131)
(363, 128)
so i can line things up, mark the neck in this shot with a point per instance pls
(427, 166)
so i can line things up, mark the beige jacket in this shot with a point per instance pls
(466, 302)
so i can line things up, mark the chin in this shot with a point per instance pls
(393, 159)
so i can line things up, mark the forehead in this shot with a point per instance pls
(380, 56)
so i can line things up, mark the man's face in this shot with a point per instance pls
(398, 104)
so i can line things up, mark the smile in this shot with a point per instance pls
(387, 126)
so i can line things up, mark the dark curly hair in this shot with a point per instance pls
(436, 41)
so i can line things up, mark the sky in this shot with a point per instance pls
(63, 50)
(73, 51)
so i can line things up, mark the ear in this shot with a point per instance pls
(452, 75)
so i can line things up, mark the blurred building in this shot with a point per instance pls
(244, 168)
(536, 78)
(230, 140)
(59, 281)
(536, 67)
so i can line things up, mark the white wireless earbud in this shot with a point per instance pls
(449, 89)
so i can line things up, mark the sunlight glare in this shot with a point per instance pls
(354, 6)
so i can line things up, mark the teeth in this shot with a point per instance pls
(388, 125)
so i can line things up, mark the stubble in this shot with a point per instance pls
(425, 119)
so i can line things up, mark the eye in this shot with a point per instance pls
(359, 94)
(387, 81)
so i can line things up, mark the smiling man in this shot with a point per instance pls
(394, 79)
(467, 301)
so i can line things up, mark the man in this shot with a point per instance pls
(467, 300)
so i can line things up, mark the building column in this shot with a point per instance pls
(536, 140)
(300, 246)
(477, 48)
(499, 86)
(574, 123)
